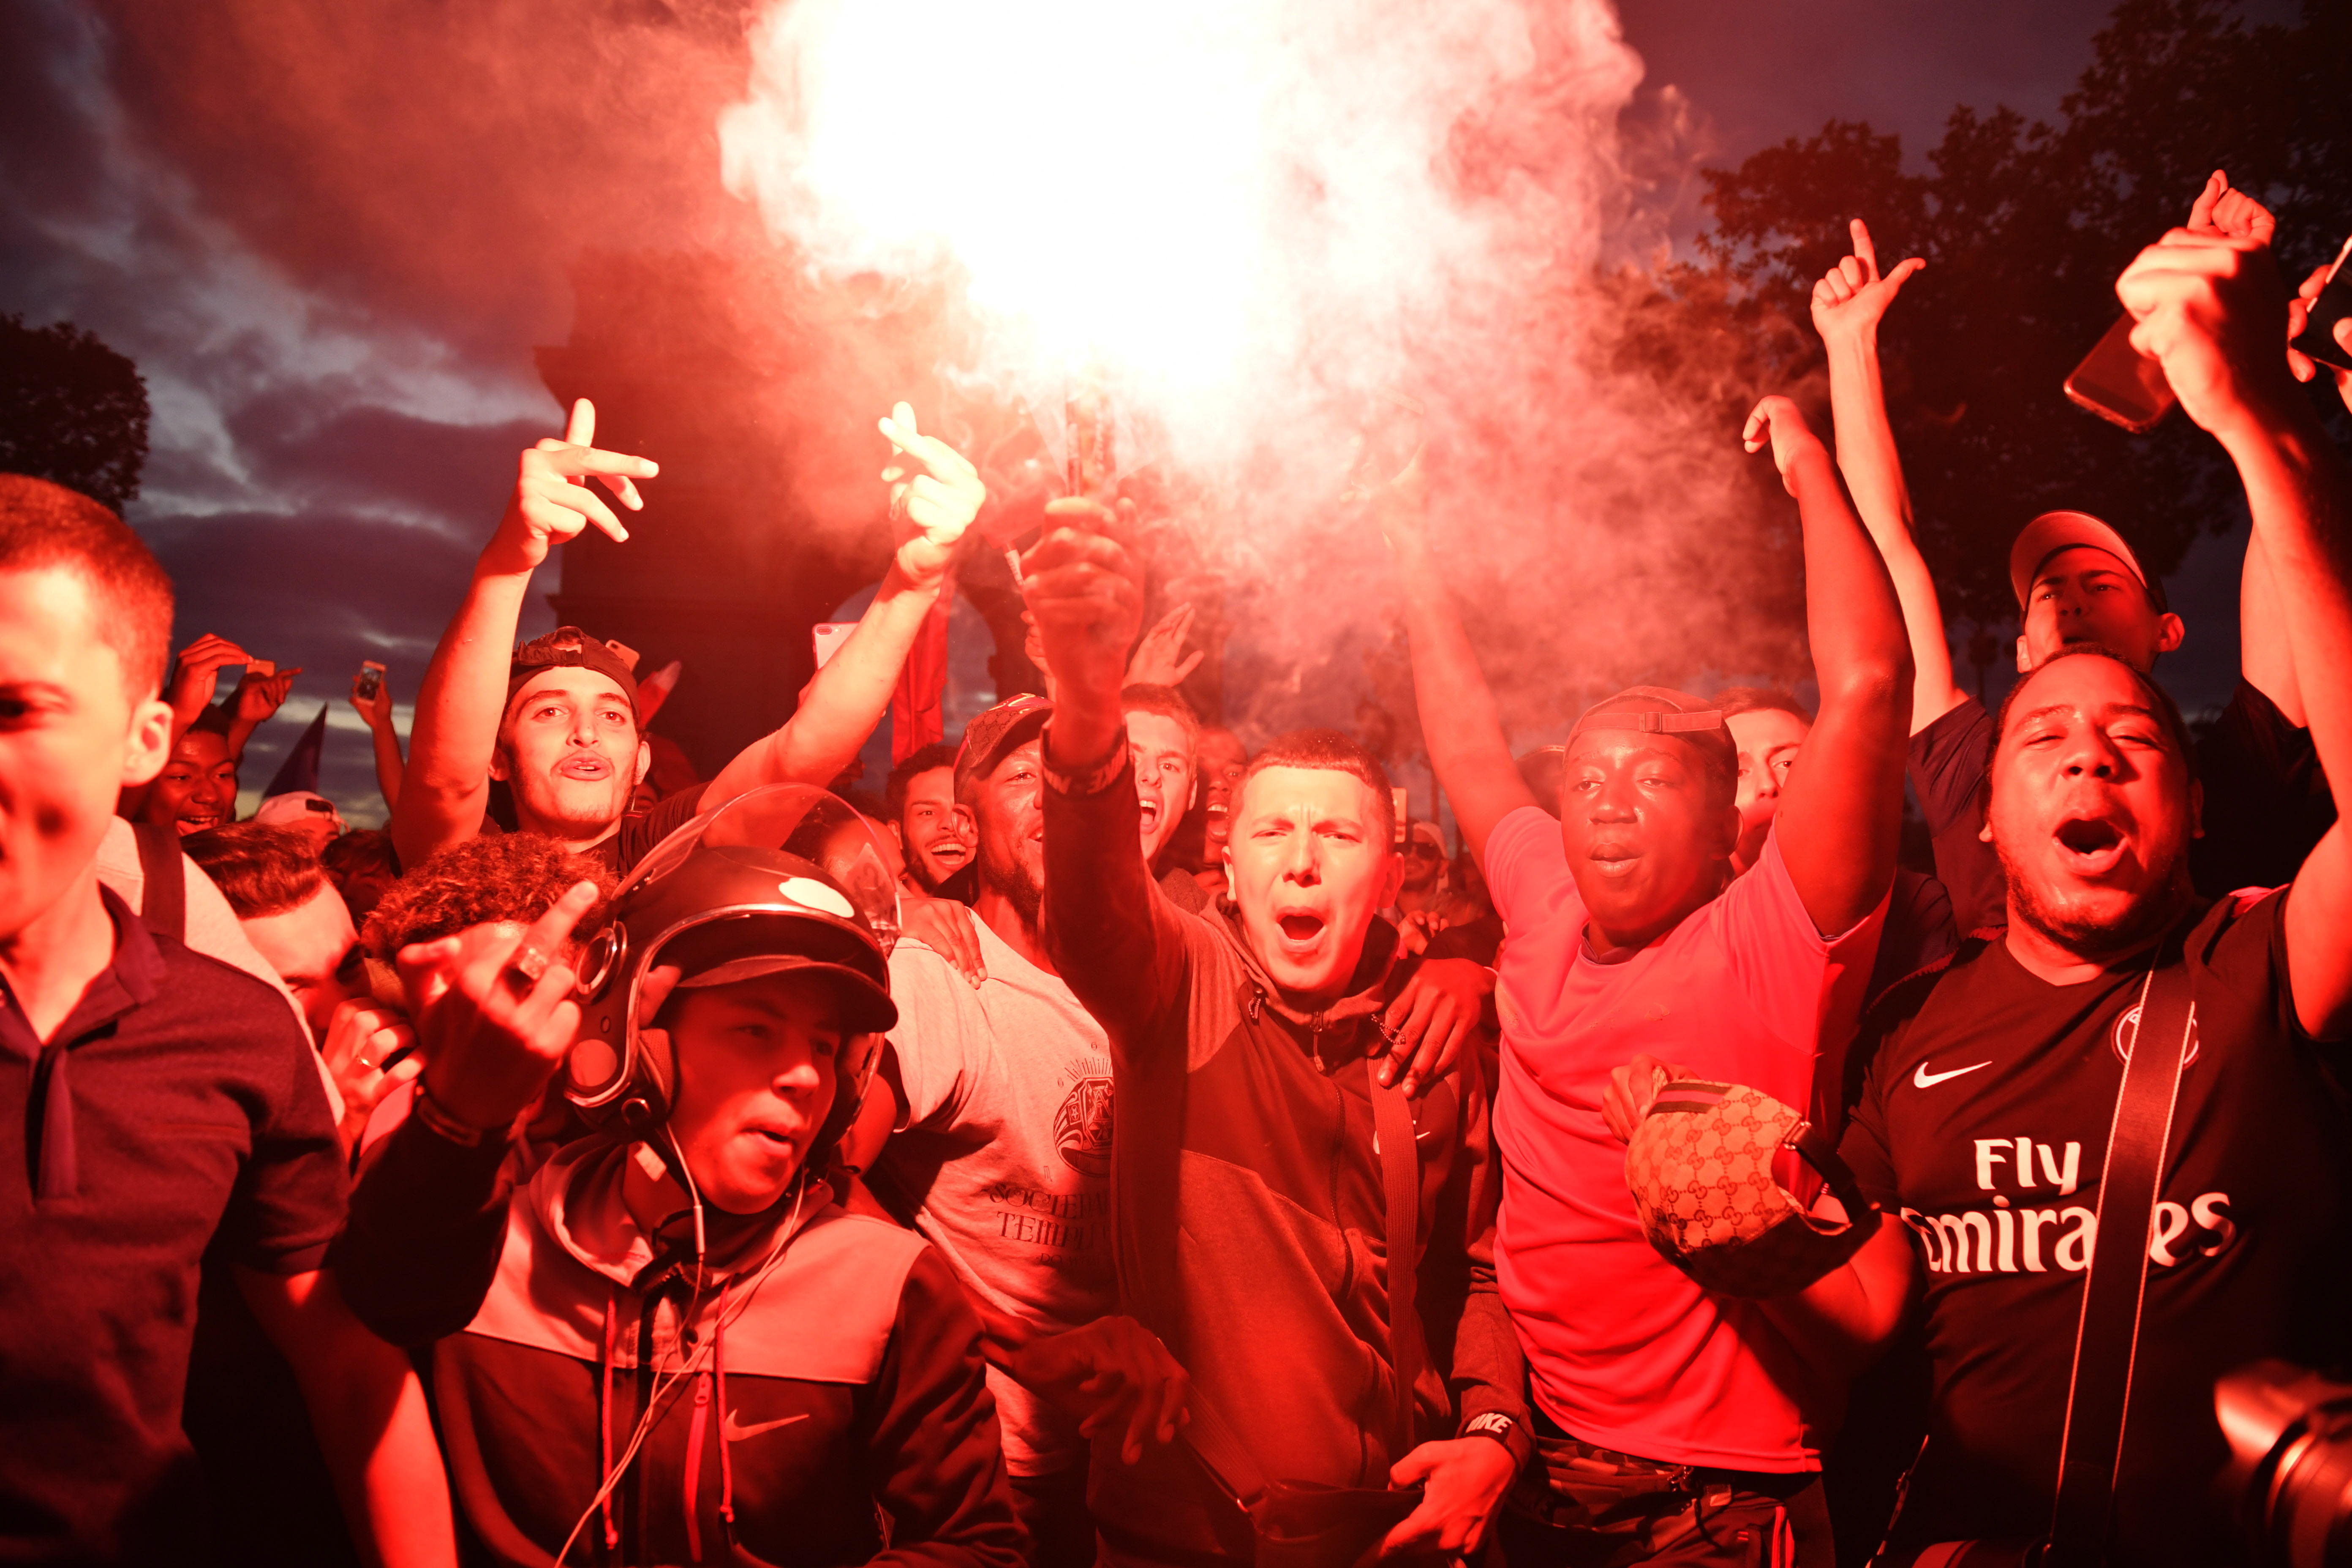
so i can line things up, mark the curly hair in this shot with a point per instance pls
(497, 877)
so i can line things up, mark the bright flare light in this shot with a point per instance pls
(1206, 203)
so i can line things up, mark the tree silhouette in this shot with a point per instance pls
(2025, 227)
(72, 410)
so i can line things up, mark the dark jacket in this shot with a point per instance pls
(833, 1370)
(1251, 1223)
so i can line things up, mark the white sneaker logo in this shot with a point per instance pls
(736, 1431)
(1927, 1080)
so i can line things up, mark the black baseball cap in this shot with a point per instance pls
(995, 735)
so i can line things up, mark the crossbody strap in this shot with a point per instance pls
(1393, 1137)
(2106, 1339)
(163, 890)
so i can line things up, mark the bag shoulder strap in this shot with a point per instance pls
(1392, 1136)
(2107, 1338)
(164, 896)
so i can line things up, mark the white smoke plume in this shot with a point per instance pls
(1245, 220)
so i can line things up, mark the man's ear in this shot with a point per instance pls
(1226, 858)
(500, 768)
(897, 835)
(1391, 879)
(645, 762)
(2170, 631)
(149, 746)
(2024, 659)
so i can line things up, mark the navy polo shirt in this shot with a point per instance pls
(178, 1109)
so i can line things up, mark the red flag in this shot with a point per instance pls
(916, 719)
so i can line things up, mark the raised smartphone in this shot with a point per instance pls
(2121, 384)
(2335, 303)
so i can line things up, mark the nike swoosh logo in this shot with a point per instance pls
(735, 1431)
(1927, 1080)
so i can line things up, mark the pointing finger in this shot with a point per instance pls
(581, 431)
(1862, 245)
(2201, 211)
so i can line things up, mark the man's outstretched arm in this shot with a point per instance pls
(1459, 721)
(1843, 810)
(1111, 933)
(1848, 304)
(937, 493)
(448, 780)
(2206, 305)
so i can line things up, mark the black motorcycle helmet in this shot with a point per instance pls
(786, 876)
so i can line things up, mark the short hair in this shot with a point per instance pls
(44, 525)
(927, 759)
(2168, 711)
(497, 877)
(1168, 703)
(359, 853)
(1737, 700)
(1327, 749)
(259, 869)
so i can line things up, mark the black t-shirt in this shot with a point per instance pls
(178, 1107)
(2266, 804)
(1983, 1122)
(641, 830)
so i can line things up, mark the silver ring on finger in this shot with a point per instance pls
(523, 970)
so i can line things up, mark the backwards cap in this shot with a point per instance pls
(570, 647)
(995, 735)
(1663, 710)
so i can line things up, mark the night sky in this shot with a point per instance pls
(330, 240)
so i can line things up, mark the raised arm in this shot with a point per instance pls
(1459, 721)
(934, 495)
(1112, 935)
(1842, 809)
(1848, 304)
(2208, 306)
(448, 782)
(376, 712)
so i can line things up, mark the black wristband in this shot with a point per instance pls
(1493, 1424)
(1092, 779)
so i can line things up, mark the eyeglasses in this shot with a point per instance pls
(1426, 852)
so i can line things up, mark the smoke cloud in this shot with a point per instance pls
(1254, 222)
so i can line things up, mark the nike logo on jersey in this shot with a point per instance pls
(1927, 1080)
(736, 1431)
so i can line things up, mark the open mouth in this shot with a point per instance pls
(1300, 927)
(2089, 846)
(198, 821)
(774, 1139)
(1150, 811)
(584, 766)
(950, 854)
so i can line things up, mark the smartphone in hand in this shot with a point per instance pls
(2121, 384)
(2317, 338)
(370, 679)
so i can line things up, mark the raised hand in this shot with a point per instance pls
(201, 663)
(935, 492)
(495, 1013)
(2298, 315)
(1160, 658)
(260, 696)
(552, 502)
(1852, 297)
(1779, 421)
(2234, 214)
(377, 709)
(1399, 500)
(1085, 591)
(2207, 307)
(1111, 1373)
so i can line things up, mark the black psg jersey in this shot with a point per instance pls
(1983, 1122)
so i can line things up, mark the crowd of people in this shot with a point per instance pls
(1106, 1142)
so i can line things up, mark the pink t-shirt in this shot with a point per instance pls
(1625, 1350)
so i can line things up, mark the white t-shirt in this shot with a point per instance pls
(1004, 1150)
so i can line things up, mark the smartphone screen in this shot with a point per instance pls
(2121, 384)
